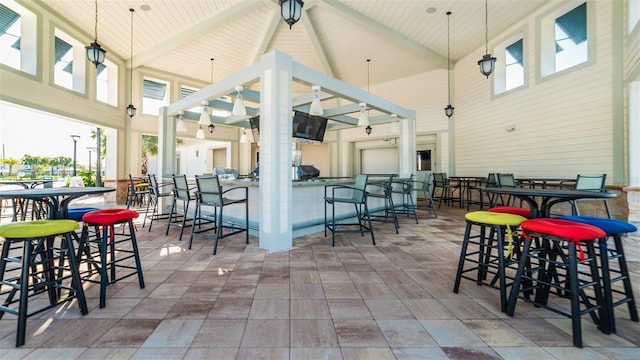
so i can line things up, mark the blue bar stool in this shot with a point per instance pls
(484, 260)
(561, 244)
(614, 229)
(28, 267)
(119, 253)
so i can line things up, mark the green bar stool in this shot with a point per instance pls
(482, 259)
(30, 265)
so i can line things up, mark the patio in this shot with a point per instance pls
(351, 301)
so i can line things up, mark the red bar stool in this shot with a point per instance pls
(122, 247)
(561, 249)
(28, 266)
(489, 257)
(524, 212)
(612, 272)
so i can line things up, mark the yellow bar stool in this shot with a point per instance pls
(31, 264)
(486, 231)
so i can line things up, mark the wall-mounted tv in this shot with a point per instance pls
(254, 122)
(308, 127)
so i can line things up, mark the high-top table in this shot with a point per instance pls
(548, 197)
(57, 199)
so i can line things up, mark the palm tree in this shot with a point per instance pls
(10, 162)
(33, 162)
(150, 147)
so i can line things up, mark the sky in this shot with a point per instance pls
(23, 131)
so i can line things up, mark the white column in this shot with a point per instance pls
(276, 232)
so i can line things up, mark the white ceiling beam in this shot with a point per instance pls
(316, 43)
(385, 32)
(194, 32)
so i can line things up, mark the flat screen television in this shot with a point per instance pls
(308, 127)
(254, 122)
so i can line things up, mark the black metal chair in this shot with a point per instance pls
(156, 192)
(423, 185)
(181, 193)
(210, 194)
(138, 192)
(447, 189)
(590, 182)
(404, 189)
(339, 195)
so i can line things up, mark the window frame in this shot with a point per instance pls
(167, 99)
(30, 25)
(500, 74)
(79, 75)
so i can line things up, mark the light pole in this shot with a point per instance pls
(75, 143)
(90, 148)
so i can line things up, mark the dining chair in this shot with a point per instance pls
(179, 215)
(156, 192)
(507, 180)
(447, 189)
(592, 182)
(137, 193)
(342, 194)
(210, 195)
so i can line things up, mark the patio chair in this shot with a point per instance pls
(358, 197)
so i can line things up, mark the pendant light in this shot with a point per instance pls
(131, 110)
(291, 11)
(316, 104)
(449, 109)
(395, 127)
(204, 114)
(487, 62)
(200, 133)
(181, 126)
(363, 120)
(243, 138)
(238, 106)
(95, 53)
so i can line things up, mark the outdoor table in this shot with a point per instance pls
(467, 183)
(548, 197)
(543, 182)
(57, 199)
(18, 204)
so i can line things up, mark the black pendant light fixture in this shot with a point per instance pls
(487, 62)
(95, 53)
(131, 110)
(449, 109)
(291, 11)
(363, 120)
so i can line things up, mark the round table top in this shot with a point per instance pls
(49, 192)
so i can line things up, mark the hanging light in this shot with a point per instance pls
(181, 126)
(211, 128)
(449, 109)
(368, 130)
(95, 53)
(395, 127)
(487, 62)
(363, 119)
(204, 115)
(238, 106)
(316, 104)
(199, 133)
(243, 138)
(291, 11)
(131, 110)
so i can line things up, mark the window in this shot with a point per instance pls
(18, 37)
(155, 95)
(69, 64)
(564, 42)
(512, 74)
(633, 15)
(186, 91)
(107, 83)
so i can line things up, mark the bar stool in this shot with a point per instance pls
(34, 270)
(561, 248)
(483, 259)
(383, 190)
(614, 229)
(116, 243)
(524, 212)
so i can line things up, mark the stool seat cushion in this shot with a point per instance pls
(610, 226)
(109, 216)
(77, 213)
(37, 228)
(494, 218)
(565, 229)
(512, 210)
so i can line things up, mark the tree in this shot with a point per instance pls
(103, 141)
(10, 162)
(33, 162)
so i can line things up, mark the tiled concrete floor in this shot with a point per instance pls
(352, 301)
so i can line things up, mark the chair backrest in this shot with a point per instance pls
(492, 180)
(422, 181)
(590, 182)
(506, 180)
(180, 187)
(209, 190)
(439, 179)
(154, 188)
(76, 181)
(359, 193)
